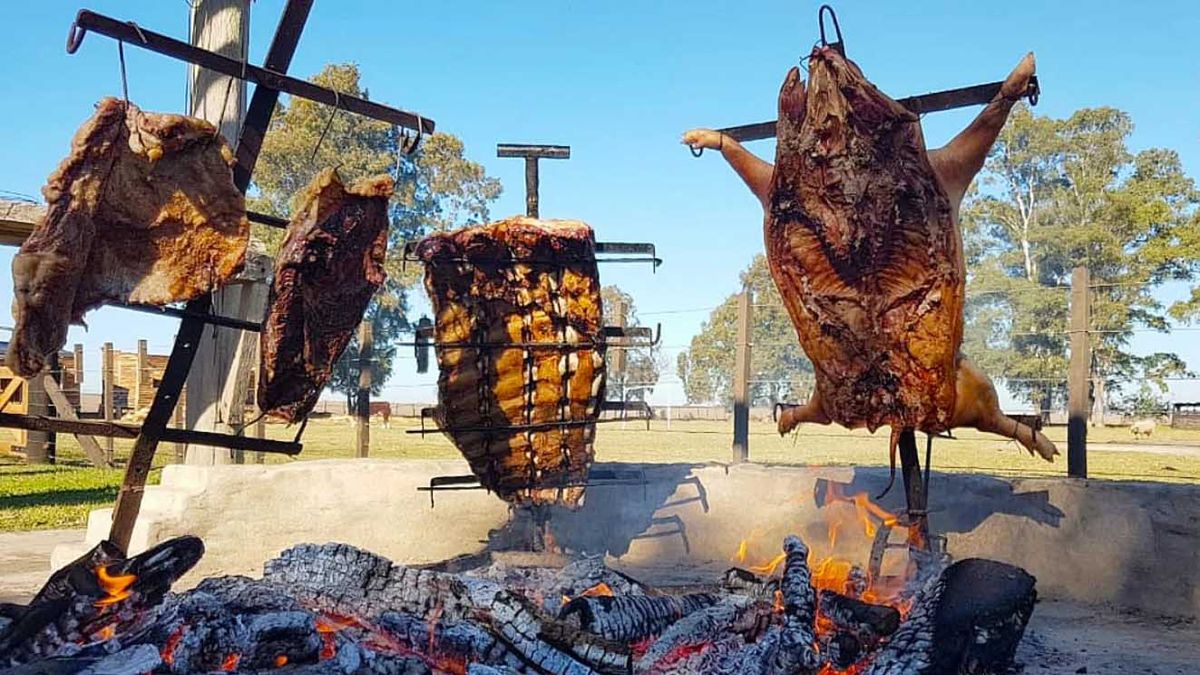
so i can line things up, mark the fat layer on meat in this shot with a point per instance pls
(143, 210)
(330, 266)
(503, 398)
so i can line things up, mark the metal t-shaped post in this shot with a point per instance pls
(532, 153)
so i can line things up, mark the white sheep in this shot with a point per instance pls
(1142, 428)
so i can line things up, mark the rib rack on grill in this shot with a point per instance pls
(143, 210)
(330, 266)
(862, 237)
(521, 353)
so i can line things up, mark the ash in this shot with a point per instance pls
(334, 608)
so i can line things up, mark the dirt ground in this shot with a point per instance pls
(1065, 637)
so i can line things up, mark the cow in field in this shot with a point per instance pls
(380, 409)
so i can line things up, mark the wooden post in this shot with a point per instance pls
(362, 436)
(741, 378)
(1078, 373)
(178, 420)
(106, 383)
(77, 374)
(617, 357)
(141, 374)
(222, 26)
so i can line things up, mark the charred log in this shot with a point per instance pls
(632, 617)
(97, 594)
(968, 620)
(343, 580)
(868, 622)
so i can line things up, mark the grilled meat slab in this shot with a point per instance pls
(521, 355)
(143, 210)
(330, 266)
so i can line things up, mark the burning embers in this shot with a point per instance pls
(337, 609)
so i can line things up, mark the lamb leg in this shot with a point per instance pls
(794, 416)
(978, 406)
(753, 171)
(958, 161)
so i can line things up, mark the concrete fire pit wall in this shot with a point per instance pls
(1134, 545)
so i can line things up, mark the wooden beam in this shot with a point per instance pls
(45, 423)
(66, 411)
(366, 349)
(17, 220)
(741, 377)
(1078, 373)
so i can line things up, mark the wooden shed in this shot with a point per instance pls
(1186, 415)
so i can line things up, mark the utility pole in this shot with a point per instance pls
(218, 382)
(1078, 373)
(741, 378)
(366, 350)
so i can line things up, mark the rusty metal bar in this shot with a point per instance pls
(541, 151)
(105, 429)
(184, 313)
(937, 101)
(88, 21)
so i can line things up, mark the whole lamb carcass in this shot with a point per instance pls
(144, 210)
(863, 241)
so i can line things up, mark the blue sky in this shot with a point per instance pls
(619, 82)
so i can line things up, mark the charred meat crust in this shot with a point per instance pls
(331, 264)
(482, 298)
(143, 210)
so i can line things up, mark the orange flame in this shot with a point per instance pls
(281, 660)
(740, 556)
(230, 663)
(116, 587)
(778, 602)
(107, 632)
(770, 567)
(600, 590)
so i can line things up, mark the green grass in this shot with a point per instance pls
(36, 497)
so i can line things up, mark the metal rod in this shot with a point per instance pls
(914, 491)
(741, 377)
(184, 313)
(88, 21)
(267, 219)
(925, 103)
(106, 429)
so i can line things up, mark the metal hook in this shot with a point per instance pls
(840, 44)
(337, 104)
(75, 37)
(409, 148)
(696, 151)
(1033, 90)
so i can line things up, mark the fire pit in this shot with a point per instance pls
(334, 608)
(337, 609)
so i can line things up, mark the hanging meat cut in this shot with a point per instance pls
(863, 241)
(521, 353)
(330, 266)
(143, 210)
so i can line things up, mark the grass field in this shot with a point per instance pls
(36, 497)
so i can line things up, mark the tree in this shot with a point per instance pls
(780, 372)
(1055, 194)
(642, 364)
(437, 188)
